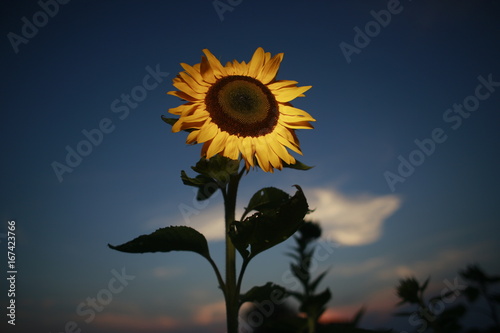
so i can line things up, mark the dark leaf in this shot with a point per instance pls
(314, 306)
(206, 185)
(269, 198)
(173, 238)
(357, 317)
(269, 227)
(316, 281)
(300, 273)
(297, 166)
(403, 314)
(269, 291)
(426, 283)
(472, 293)
(408, 290)
(297, 295)
(218, 167)
(495, 297)
(172, 121)
(293, 255)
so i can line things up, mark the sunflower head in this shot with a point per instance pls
(240, 110)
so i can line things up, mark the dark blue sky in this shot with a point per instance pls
(73, 75)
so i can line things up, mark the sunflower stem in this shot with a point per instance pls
(231, 288)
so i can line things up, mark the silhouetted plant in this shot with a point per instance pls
(312, 304)
(479, 286)
(433, 314)
(430, 314)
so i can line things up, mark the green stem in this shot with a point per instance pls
(311, 324)
(242, 271)
(231, 291)
(217, 274)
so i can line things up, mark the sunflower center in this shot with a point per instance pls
(243, 106)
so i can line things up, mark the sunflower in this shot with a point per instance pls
(240, 110)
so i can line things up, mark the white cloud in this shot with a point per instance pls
(348, 220)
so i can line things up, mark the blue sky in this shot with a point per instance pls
(68, 77)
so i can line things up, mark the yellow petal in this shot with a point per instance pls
(206, 71)
(207, 132)
(288, 144)
(270, 69)
(217, 68)
(182, 108)
(262, 153)
(295, 119)
(296, 125)
(273, 157)
(218, 144)
(255, 64)
(194, 121)
(247, 149)
(194, 72)
(288, 93)
(291, 111)
(287, 138)
(231, 150)
(193, 83)
(183, 96)
(204, 148)
(279, 149)
(192, 137)
(184, 87)
(281, 83)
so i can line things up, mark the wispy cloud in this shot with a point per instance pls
(351, 220)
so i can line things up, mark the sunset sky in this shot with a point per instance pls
(405, 147)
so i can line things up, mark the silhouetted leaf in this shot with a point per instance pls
(297, 166)
(472, 293)
(206, 185)
(218, 167)
(424, 285)
(408, 290)
(403, 314)
(357, 317)
(316, 281)
(266, 199)
(173, 238)
(495, 297)
(269, 291)
(172, 121)
(314, 305)
(300, 273)
(276, 220)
